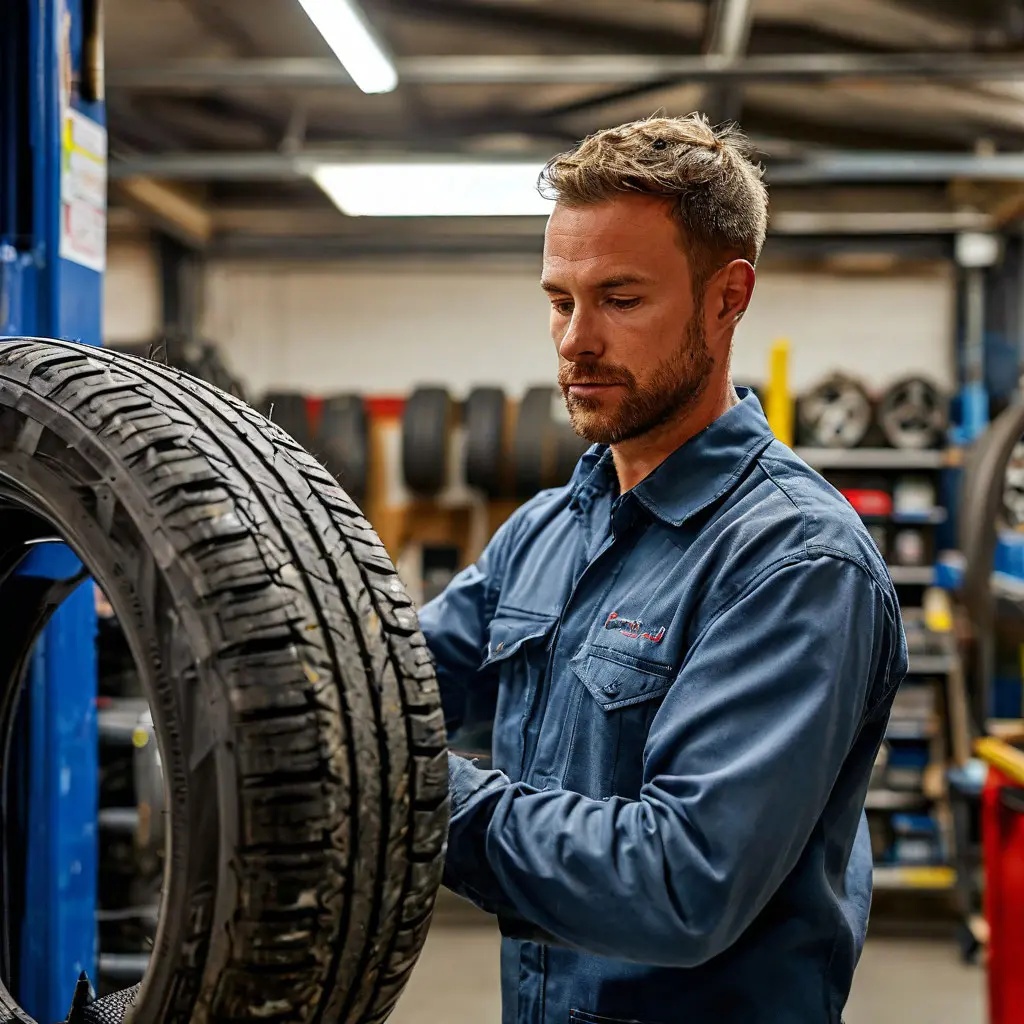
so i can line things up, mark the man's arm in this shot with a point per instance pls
(455, 622)
(739, 765)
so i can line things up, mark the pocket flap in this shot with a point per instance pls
(508, 632)
(616, 682)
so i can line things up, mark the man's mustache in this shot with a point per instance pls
(583, 373)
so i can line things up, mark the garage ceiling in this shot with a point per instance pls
(201, 80)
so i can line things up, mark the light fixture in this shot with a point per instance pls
(434, 189)
(347, 32)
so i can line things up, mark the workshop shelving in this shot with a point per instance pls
(912, 575)
(128, 894)
(897, 493)
(923, 879)
(893, 800)
(872, 458)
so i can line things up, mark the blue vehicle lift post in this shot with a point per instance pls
(52, 239)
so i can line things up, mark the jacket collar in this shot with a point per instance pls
(695, 474)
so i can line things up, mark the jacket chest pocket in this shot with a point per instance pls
(583, 1017)
(620, 697)
(517, 651)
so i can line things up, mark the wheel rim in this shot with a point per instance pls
(912, 415)
(837, 414)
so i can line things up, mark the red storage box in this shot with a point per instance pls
(869, 502)
(1002, 825)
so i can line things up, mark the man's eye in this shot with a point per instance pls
(563, 308)
(624, 303)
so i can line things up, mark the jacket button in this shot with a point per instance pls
(611, 689)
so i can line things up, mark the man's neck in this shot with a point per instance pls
(638, 458)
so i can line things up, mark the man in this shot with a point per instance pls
(690, 651)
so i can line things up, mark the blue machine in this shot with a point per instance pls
(52, 232)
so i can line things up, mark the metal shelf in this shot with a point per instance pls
(930, 664)
(124, 967)
(871, 458)
(925, 878)
(894, 800)
(911, 729)
(123, 820)
(118, 722)
(912, 575)
(1006, 586)
(929, 517)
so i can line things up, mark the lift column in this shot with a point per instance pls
(52, 258)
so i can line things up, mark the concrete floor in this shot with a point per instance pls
(900, 981)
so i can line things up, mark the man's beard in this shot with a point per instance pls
(678, 382)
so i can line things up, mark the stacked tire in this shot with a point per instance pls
(503, 456)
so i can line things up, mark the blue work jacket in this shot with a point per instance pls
(688, 685)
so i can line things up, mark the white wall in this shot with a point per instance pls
(324, 328)
(131, 299)
(383, 329)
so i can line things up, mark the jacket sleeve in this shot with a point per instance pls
(738, 767)
(455, 622)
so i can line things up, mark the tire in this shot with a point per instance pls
(534, 454)
(343, 442)
(288, 410)
(569, 449)
(199, 359)
(292, 693)
(982, 510)
(485, 441)
(426, 427)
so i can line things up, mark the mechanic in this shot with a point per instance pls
(689, 652)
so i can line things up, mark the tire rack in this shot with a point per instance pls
(127, 904)
(907, 804)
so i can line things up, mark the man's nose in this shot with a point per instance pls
(582, 338)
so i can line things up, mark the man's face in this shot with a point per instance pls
(630, 333)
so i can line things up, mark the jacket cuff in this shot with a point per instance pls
(473, 795)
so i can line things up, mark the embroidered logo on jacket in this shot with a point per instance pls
(633, 628)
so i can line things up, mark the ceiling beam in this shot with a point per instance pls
(168, 208)
(212, 18)
(607, 69)
(726, 36)
(818, 168)
(764, 120)
(546, 23)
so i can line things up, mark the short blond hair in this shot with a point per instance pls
(715, 188)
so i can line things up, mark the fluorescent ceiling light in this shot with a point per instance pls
(348, 33)
(434, 189)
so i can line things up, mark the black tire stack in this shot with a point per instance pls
(504, 457)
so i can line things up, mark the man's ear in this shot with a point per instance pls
(731, 291)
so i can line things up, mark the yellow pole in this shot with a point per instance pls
(1009, 760)
(779, 409)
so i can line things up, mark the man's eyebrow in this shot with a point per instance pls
(608, 284)
(620, 281)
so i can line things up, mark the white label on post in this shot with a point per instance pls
(83, 191)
